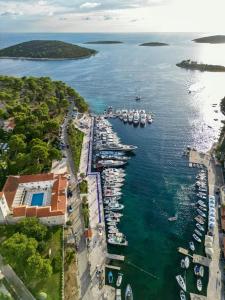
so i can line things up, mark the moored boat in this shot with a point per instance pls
(128, 293)
(182, 295)
(181, 282)
(199, 284)
(119, 279)
(110, 277)
(192, 246)
(196, 238)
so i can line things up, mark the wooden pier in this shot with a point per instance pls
(197, 259)
(115, 257)
(113, 267)
(197, 297)
(202, 260)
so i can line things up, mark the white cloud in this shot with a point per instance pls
(90, 5)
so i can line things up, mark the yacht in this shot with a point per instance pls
(136, 118)
(181, 282)
(149, 119)
(201, 213)
(118, 240)
(198, 232)
(143, 118)
(196, 238)
(200, 227)
(130, 117)
(186, 262)
(111, 163)
(200, 220)
(114, 206)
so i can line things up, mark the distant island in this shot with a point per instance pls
(193, 65)
(154, 44)
(214, 39)
(46, 50)
(104, 42)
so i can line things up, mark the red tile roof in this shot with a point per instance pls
(58, 204)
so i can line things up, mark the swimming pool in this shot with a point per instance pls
(37, 199)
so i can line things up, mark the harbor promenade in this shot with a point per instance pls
(97, 246)
(215, 289)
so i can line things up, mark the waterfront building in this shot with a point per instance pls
(42, 195)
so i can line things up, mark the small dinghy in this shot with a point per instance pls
(181, 282)
(119, 279)
(201, 271)
(196, 238)
(199, 285)
(110, 277)
(182, 295)
(192, 246)
(128, 293)
(186, 262)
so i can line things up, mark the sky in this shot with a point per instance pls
(112, 16)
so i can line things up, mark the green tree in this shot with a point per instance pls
(32, 227)
(18, 248)
(17, 143)
(39, 153)
(38, 267)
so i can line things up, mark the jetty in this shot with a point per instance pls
(198, 259)
(197, 297)
(115, 257)
(113, 267)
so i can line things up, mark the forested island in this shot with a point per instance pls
(154, 44)
(193, 65)
(46, 49)
(104, 42)
(214, 39)
(35, 107)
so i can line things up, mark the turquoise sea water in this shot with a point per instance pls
(159, 183)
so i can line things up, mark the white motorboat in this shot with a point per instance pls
(115, 206)
(130, 117)
(199, 285)
(200, 220)
(117, 240)
(111, 163)
(192, 246)
(136, 118)
(149, 119)
(200, 227)
(186, 262)
(128, 293)
(201, 213)
(199, 270)
(198, 232)
(119, 279)
(182, 295)
(143, 118)
(201, 203)
(182, 264)
(181, 282)
(196, 238)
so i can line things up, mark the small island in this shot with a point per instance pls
(193, 65)
(104, 42)
(214, 39)
(154, 44)
(46, 50)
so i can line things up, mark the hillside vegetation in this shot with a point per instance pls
(193, 65)
(154, 44)
(44, 49)
(214, 39)
(37, 107)
(104, 42)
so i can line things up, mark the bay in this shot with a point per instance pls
(159, 183)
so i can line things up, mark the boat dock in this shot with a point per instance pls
(198, 158)
(115, 257)
(184, 251)
(113, 267)
(197, 297)
(202, 260)
(198, 259)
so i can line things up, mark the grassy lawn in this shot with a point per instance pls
(75, 137)
(52, 250)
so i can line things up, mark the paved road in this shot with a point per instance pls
(84, 278)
